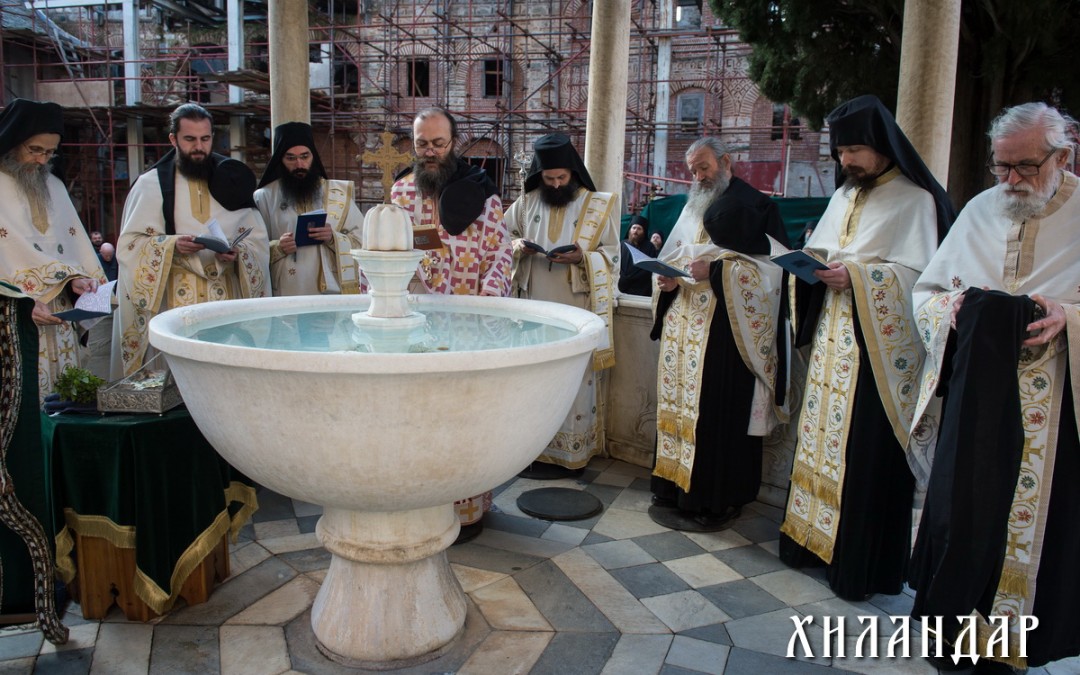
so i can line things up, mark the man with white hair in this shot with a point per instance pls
(998, 308)
(717, 373)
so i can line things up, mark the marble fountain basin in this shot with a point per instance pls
(385, 442)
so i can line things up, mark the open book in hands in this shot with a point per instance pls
(315, 218)
(800, 264)
(650, 264)
(531, 245)
(215, 238)
(92, 305)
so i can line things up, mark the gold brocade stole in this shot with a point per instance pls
(588, 229)
(39, 215)
(813, 510)
(199, 195)
(338, 200)
(678, 383)
(1042, 384)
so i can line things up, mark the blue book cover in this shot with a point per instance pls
(306, 220)
(801, 265)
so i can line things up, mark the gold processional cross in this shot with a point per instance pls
(387, 159)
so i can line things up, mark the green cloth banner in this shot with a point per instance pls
(150, 479)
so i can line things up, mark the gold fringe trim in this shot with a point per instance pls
(673, 471)
(826, 490)
(688, 431)
(153, 595)
(65, 544)
(1014, 582)
(667, 423)
(803, 534)
(820, 545)
(803, 476)
(120, 536)
(239, 493)
(794, 530)
(603, 358)
(124, 537)
(822, 488)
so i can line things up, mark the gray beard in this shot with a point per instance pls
(700, 197)
(32, 178)
(1021, 208)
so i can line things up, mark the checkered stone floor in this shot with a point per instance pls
(613, 594)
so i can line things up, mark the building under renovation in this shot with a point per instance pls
(510, 70)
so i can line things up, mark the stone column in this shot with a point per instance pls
(290, 98)
(237, 128)
(928, 56)
(133, 88)
(609, 63)
(663, 88)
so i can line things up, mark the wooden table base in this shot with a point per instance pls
(106, 575)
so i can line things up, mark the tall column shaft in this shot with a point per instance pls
(609, 63)
(290, 98)
(663, 89)
(928, 57)
(237, 129)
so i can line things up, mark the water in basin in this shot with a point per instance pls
(444, 330)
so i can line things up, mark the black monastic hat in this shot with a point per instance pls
(866, 121)
(232, 184)
(554, 151)
(22, 119)
(290, 135)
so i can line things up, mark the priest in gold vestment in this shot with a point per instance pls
(719, 385)
(294, 183)
(561, 207)
(161, 266)
(852, 482)
(46, 252)
(998, 308)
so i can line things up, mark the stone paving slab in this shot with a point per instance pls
(612, 594)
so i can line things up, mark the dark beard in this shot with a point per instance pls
(32, 178)
(300, 190)
(559, 196)
(194, 169)
(860, 179)
(432, 181)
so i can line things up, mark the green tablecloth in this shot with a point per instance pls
(148, 482)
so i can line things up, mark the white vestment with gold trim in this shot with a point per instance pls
(43, 248)
(155, 277)
(884, 236)
(1036, 256)
(326, 268)
(588, 221)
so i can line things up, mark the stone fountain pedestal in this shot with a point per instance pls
(379, 556)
